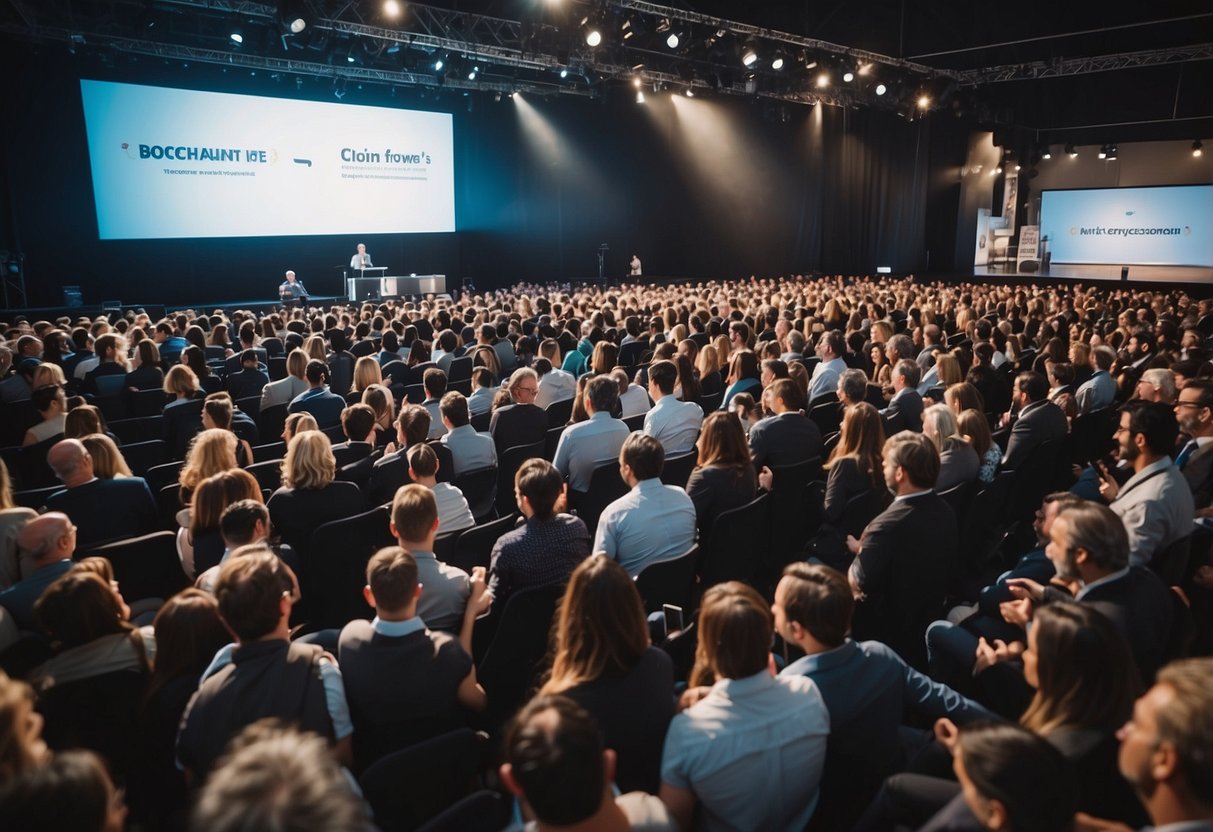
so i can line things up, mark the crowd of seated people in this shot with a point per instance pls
(802, 553)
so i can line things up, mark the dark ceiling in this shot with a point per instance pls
(1073, 71)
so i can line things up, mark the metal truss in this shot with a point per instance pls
(1086, 66)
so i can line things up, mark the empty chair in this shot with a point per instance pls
(268, 474)
(669, 582)
(271, 421)
(514, 658)
(141, 456)
(733, 550)
(559, 413)
(158, 476)
(147, 402)
(410, 786)
(147, 566)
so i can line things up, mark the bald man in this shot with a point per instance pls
(104, 510)
(49, 540)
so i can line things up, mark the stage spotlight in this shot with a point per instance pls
(639, 96)
(881, 89)
(472, 75)
(627, 29)
(1112, 152)
(1103, 152)
(438, 65)
(848, 76)
(924, 102)
(564, 73)
(636, 82)
(1045, 153)
(749, 53)
(593, 37)
(778, 61)
(672, 41)
(823, 80)
(864, 69)
(293, 15)
(1196, 151)
(391, 8)
(997, 171)
(1071, 151)
(1018, 168)
(690, 93)
(237, 37)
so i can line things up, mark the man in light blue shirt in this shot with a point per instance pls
(470, 450)
(673, 423)
(652, 522)
(1099, 391)
(831, 348)
(586, 445)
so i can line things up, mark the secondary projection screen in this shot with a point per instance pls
(1162, 226)
(171, 163)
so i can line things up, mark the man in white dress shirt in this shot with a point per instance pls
(673, 423)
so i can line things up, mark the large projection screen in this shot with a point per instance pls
(1158, 226)
(170, 163)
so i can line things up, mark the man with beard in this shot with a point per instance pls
(1155, 503)
(1166, 751)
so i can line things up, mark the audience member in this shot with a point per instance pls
(102, 510)
(586, 445)
(673, 423)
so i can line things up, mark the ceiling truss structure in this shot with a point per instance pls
(531, 55)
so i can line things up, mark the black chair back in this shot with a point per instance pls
(515, 655)
(863, 509)
(147, 566)
(335, 569)
(606, 486)
(148, 402)
(34, 498)
(734, 548)
(271, 450)
(413, 785)
(958, 497)
(461, 369)
(268, 474)
(981, 525)
(158, 476)
(142, 456)
(481, 421)
(827, 416)
(670, 582)
(508, 463)
(473, 547)
(1171, 563)
(636, 422)
(479, 488)
(552, 442)
(677, 469)
(1037, 475)
(250, 405)
(271, 421)
(559, 413)
(482, 811)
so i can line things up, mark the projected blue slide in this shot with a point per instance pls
(180, 163)
(1164, 226)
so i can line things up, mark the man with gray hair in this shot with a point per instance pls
(1157, 385)
(904, 411)
(50, 541)
(898, 347)
(852, 387)
(104, 510)
(522, 422)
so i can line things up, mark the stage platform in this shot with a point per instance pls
(1102, 273)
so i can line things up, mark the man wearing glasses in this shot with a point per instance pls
(523, 422)
(1194, 410)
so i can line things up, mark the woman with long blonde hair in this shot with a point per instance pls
(199, 544)
(379, 399)
(366, 373)
(310, 495)
(108, 462)
(211, 451)
(602, 659)
(708, 365)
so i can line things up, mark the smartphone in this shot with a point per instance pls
(673, 619)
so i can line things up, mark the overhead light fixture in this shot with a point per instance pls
(1045, 152)
(749, 53)
(593, 37)
(472, 75)
(997, 171)
(1196, 151)
(1112, 152)
(778, 61)
(564, 72)
(639, 96)
(881, 89)
(391, 8)
(1103, 152)
(237, 37)
(293, 15)
(1071, 151)
(672, 41)
(690, 93)
(1018, 168)
(823, 80)
(848, 76)
(438, 65)
(627, 29)
(864, 69)
(924, 102)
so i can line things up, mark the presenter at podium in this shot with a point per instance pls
(635, 264)
(291, 290)
(361, 260)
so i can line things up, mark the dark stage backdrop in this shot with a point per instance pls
(703, 188)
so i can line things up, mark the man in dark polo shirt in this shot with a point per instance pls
(404, 682)
(263, 674)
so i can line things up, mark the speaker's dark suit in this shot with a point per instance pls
(107, 509)
(785, 439)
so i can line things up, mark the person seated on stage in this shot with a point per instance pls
(291, 289)
(324, 405)
(434, 382)
(250, 380)
(470, 450)
(360, 260)
(405, 683)
(102, 510)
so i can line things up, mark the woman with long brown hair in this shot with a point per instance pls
(854, 469)
(743, 377)
(199, 544)
(602, 659)
(724, 477)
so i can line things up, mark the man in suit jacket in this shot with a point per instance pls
(102, 510)
(1165, 746)
(789, 437)
(906, 555)
(326, 407)
(250, 380)
(905, 408)
(1155, 503)
(523, 422)
(358, 424)
(1039, 419)
(1194, 410)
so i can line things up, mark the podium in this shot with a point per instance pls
(362, 285)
